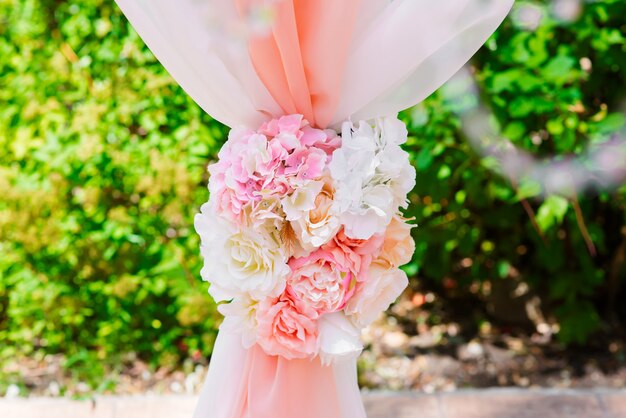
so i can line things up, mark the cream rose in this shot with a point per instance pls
(240, 261)
(302, 200)
(320, 224)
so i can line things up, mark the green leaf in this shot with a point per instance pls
(551, 212)
(444, 172)
(528, 189)
(424, 159)
(558, 67)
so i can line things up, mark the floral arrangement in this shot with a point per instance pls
(303, 235)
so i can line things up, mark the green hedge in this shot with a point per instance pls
(103, 165)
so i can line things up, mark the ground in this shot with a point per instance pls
(493, 403)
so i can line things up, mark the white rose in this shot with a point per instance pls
(240, 261)
(374, 295)
(373, 176)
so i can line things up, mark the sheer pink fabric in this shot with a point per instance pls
(331, 60)
(301, 60)
(251, 384)
(197, 43)
(409, 50)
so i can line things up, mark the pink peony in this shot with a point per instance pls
(323, 280)
(287, 327)
(358, 253)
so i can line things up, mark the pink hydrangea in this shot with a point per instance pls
(282, 155)
(287, 327)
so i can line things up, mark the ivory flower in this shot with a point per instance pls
(374, 295)
(240, 261)
(301, 201)
(318, 225)
(240, 317)
(339, 339)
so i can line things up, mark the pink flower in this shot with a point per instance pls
(282, 155)
(287, 327)
(305, 164)
(324, 280)
(326, 140)
(359, 253)
(289, 124)
(375, 295)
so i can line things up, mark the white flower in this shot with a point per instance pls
(240, 261)
(373, 175)
(320, 224)
(374, 295)
(240, 317)
(301, 200)
(339, 338)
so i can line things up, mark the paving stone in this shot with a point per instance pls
(520, 404)
(55, 408)
(614, 404)
(154, 406)
(402, 406)
(511, 403)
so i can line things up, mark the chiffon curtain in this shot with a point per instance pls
(356, 59)
(245, 61)
(250, 384)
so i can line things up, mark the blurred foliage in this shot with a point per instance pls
(554, 90)
(103, 165)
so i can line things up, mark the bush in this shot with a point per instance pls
(476, 232)
(103, 165)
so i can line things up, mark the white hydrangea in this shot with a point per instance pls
(372, 175)
(240, 261)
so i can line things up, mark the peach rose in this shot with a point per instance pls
(398, 246)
